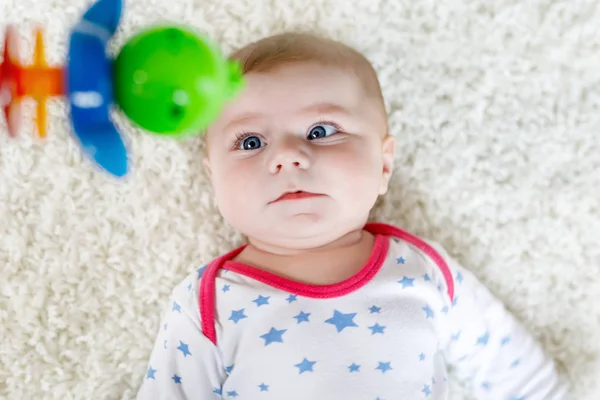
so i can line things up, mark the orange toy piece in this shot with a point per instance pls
(37, 81)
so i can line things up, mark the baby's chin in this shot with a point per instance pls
(301, 235)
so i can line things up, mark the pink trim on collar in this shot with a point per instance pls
(206, 296)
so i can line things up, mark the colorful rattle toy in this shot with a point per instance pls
(166, 79)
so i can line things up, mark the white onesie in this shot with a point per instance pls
(233, 331)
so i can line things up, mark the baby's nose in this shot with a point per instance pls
(289, 156)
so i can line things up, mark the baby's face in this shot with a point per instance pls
(303, 128)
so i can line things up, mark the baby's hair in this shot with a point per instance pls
(275, 51)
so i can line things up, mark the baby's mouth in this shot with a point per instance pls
(296, 195)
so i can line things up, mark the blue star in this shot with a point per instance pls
(165, 327)
(515, 363)
(483, 340)
(445, 310)
(237, 315)
(291, 298)
(376, 329)
(426, 278)
(229, 369)
(176, 379)
(189, 287)
(384, 366)
(456, 336)
(302, 317)
(150, 373)
(406, 282)
(226, 288)
(261, 300)
(218, 391)
(374, 309)
(354, 367)
(305, 366)
(421, 356)
(426, 390)
(428, 312)
(486, 386)
(201, 271)
(263, 387)
(400, 260)
(232, 393)
(505, 340)
(341, 320)
(273, 335)
(455, 301)
(459, 277)
(176, 307)
(184, 349)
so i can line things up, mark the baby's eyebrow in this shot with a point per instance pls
(325, 108)
(317, 108)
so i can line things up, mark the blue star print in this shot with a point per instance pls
(400, 260)
(341, 320)
(291, 298)
(459, 277)
(273, 335)
(263, 387)
(305, 366)
(374, 309)
(201, 271)
(376, 329)
(456, 336)
(483, 340)
(176, 307)
(421, 356)
(176, 379)
(384, 366)
(237, 315)
(233, 393)
(515, 363)
(150, 373)
(218, 391)
(229, 369)
(428, 312)
(302, 317)
(226, 288)
(184, 349)
(426, 390)
(426, 278)
(261, 300)
(354, 367)
(407, 282)
(505, 340)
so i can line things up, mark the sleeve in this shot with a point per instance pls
(184, 364)
(486, 346)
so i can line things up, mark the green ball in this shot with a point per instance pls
(170, 81)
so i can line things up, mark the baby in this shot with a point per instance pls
(320, 303)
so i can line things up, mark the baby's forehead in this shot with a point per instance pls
(302, 86)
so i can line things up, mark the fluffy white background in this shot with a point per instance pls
(496, 105)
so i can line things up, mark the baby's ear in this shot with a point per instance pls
(388, 151)
(207, 169)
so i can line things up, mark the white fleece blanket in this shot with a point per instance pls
(496, 105)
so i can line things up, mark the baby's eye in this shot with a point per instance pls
(322, 130)
(249, 143)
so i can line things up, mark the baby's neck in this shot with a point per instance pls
(329, 264)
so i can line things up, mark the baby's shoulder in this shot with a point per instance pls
(410, 259)
(185, 295)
